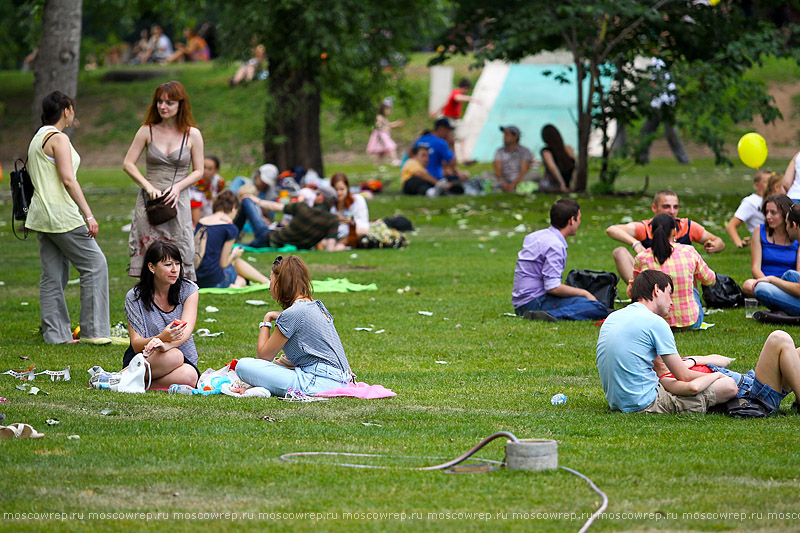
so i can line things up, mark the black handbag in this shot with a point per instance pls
(724, 293)
(158, 212)
(603, 285)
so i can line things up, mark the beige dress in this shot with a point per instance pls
(159, 169)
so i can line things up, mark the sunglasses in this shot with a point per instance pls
(277, 260)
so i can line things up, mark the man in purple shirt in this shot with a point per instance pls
(538, 292)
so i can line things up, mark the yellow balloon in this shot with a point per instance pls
(752, 150)
(713, 2)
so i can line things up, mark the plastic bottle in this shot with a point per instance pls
(180, 389)
(558, 399)
(283, 197)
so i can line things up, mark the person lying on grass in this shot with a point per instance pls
(314, 359)
(777, 373)
(697, 363)
(162, 311)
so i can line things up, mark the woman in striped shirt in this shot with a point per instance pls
(313, 358)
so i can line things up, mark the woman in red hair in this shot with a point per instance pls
(173, 162)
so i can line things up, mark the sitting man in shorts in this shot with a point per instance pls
(635, 340)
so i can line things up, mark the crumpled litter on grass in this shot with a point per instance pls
(205, 332)
(211, 309)
(255, 302)
(425, 313)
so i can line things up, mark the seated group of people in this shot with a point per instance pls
(637, 359)
(432, 169)
(329, 217)
(157, 47)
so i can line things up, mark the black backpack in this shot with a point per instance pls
(21, 194)
(749, 407)
(724, 293)
(603, 285)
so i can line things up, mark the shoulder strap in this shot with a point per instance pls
(150, 126)
(47, 138)
(178, 163)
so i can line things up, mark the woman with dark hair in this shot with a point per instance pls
(772, 251)
(66, 230)
(352, 210)
(314, 359)
(172, 142)
(162, 311)
(218, 263)
(558, 159)
(683, 264)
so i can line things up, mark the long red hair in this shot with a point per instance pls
(342, 177)
(175, 91)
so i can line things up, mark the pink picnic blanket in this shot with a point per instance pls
(360, 390)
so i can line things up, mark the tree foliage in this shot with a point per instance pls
(345, 49)
(706, 48)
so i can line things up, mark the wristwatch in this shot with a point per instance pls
(265, 325)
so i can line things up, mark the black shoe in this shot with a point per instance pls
(776, 317)
(544, 316)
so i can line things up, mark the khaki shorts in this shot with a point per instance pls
(668, 403)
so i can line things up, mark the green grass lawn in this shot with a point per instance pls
(177, 454)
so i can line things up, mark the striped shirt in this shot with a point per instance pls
(151, 323)
(684, 265)
(309, 225)
(312, 337)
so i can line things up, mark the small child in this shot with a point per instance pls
(380, 140)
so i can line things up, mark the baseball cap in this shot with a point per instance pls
(328, 193)
(268, 174)
(444, 121)
(513, 130)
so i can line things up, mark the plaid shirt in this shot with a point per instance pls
(684, 265)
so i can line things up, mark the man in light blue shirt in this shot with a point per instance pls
(538, 292)
(636, 341)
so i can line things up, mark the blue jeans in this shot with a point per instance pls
(311, 379)
(777, 299)
(250, 212)
(699, 322)
(571, 308)
(750, 387)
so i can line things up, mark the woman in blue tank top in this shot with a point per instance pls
(772, 251)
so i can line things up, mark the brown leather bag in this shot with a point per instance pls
(158, 212)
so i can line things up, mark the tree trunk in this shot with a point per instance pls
(584, 129)
(58, 59)
(291, 133)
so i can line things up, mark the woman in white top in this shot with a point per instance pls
(66, 230)
(352, 210)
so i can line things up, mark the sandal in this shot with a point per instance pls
(26, 431)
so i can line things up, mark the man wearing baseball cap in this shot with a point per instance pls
(442, 163)
(512, 161)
